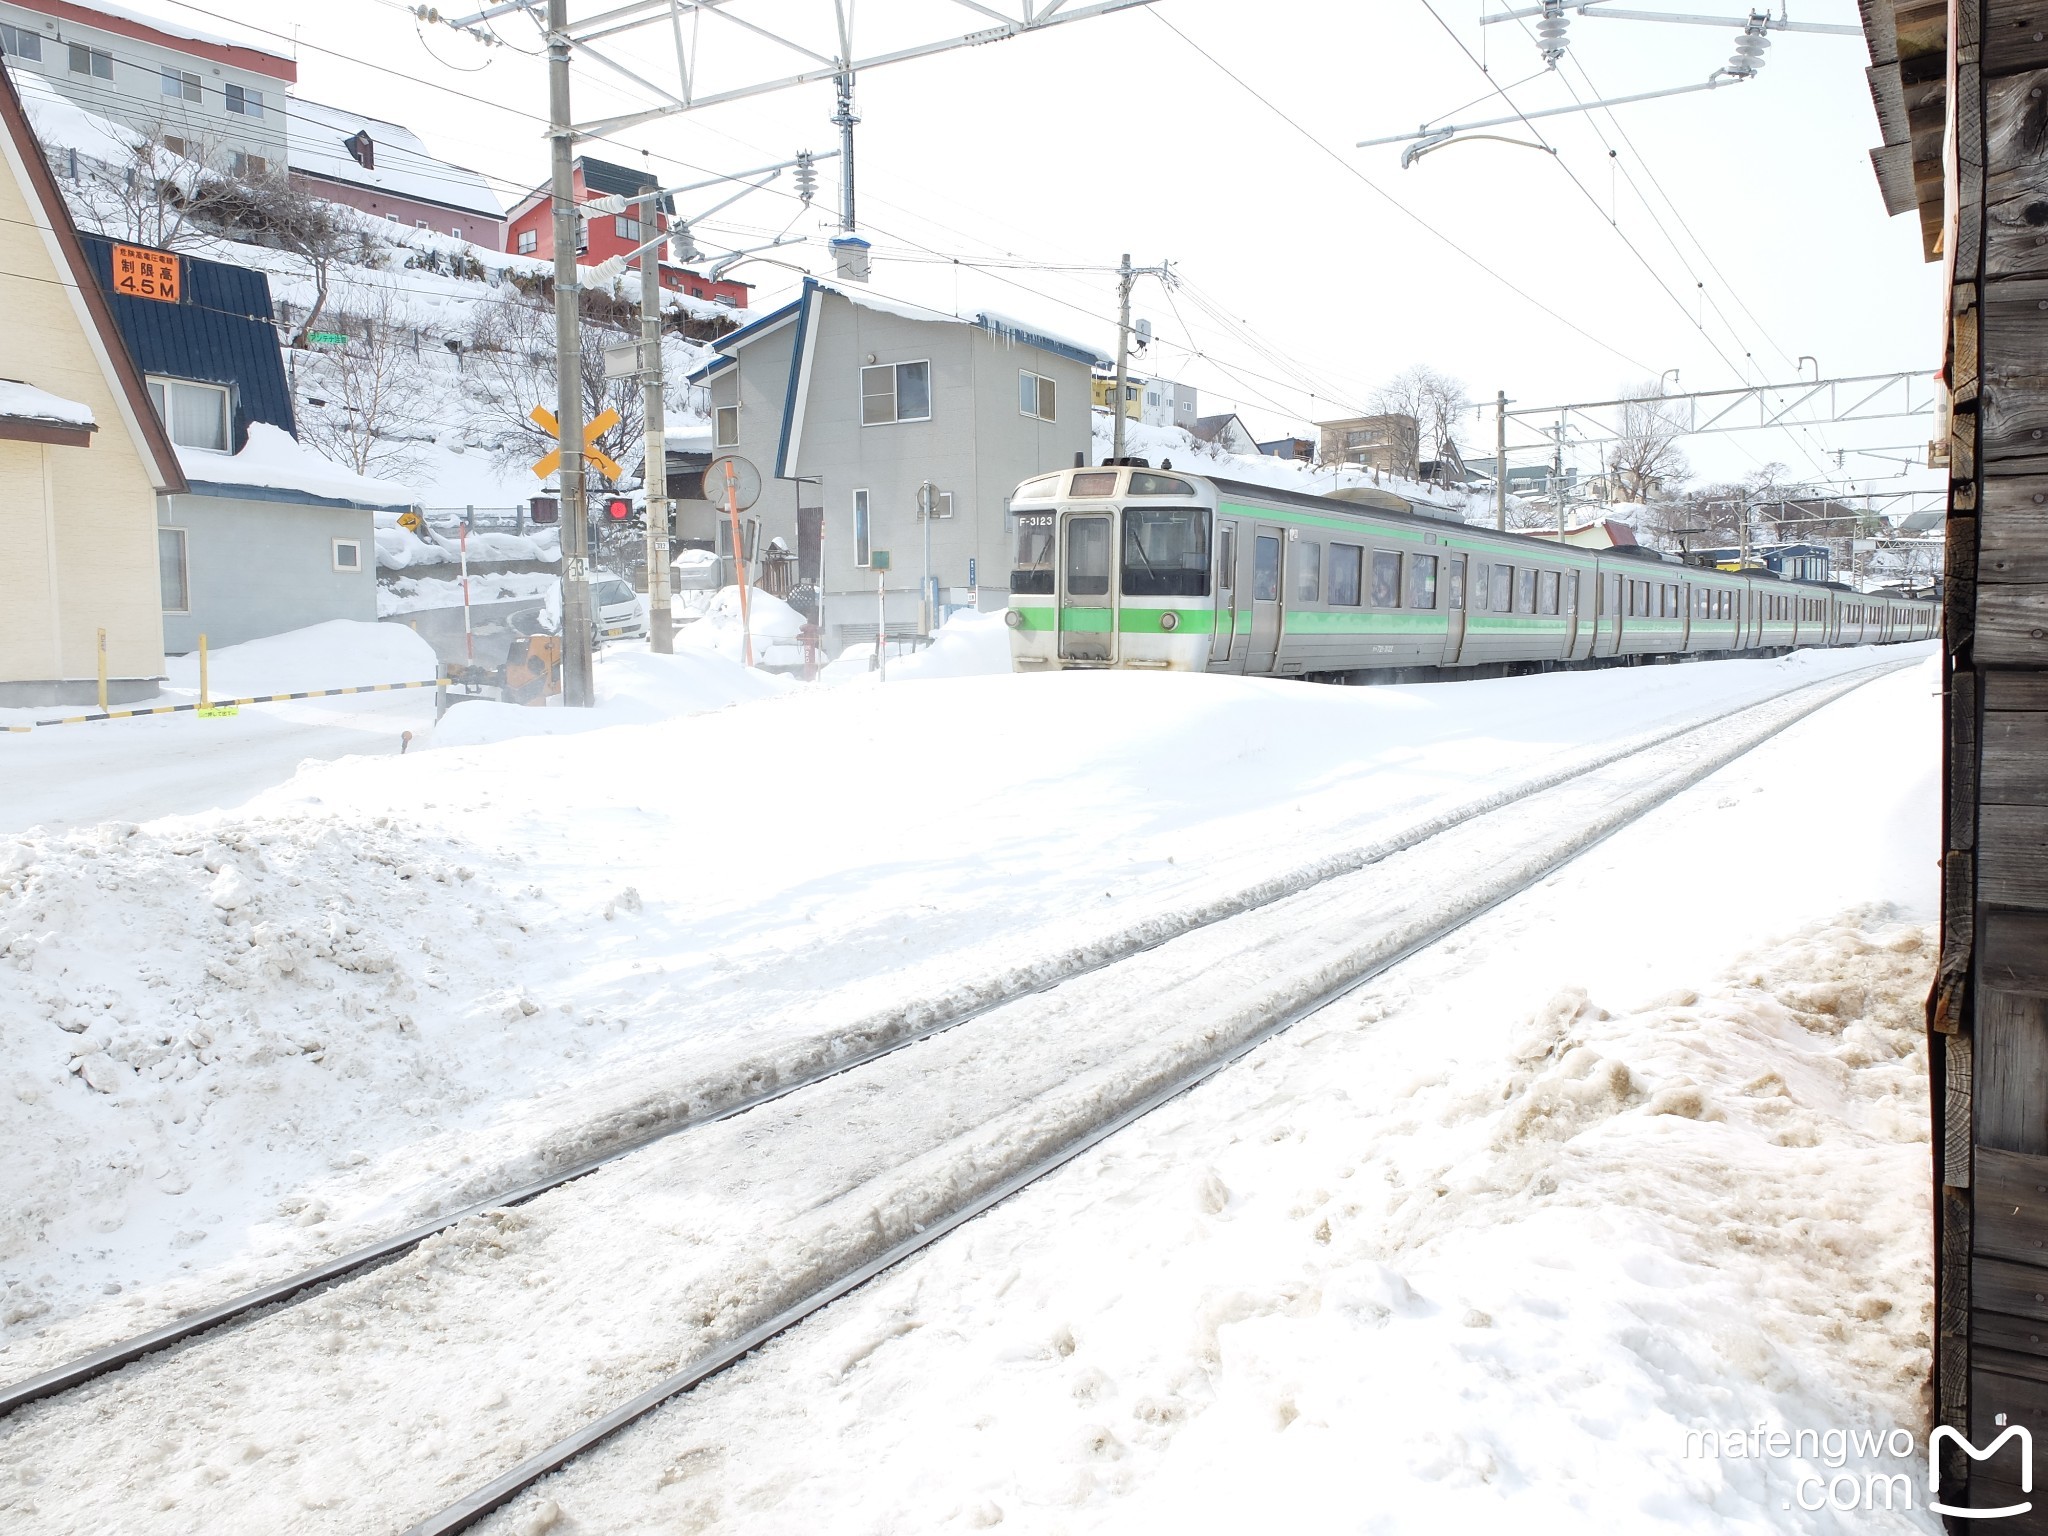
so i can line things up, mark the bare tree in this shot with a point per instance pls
(363, 404)
(1434, 400)
(1646, 460)
(163, 191)
(510, 368)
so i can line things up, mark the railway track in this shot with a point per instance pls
(1597, 797)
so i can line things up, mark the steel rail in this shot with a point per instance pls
(1139, 940)
(465, 1512)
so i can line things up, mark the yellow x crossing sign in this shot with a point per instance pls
(606, 464)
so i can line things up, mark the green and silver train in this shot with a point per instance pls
(1128, 566)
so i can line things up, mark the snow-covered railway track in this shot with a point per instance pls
(863, 1042)
(522, 1341)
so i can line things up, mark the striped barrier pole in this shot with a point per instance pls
(101, 649)
(257, 698)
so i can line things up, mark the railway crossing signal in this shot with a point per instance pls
(545, 420)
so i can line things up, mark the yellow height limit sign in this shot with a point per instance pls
(607, 465)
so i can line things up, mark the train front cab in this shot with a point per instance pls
(1117, 567)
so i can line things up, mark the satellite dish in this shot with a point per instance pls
(745, 482)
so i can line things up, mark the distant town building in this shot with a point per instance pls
(1156, 402)
(1389, 443)
(203, 95)
(385, 170)
(1794, 562)
(1227, 432)
(1289, 448)
(82, 456)
(848, 405)
(1600, 533)
(530, 229)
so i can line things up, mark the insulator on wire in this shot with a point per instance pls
(1550, 31)
(806, 176)
(1748, 57)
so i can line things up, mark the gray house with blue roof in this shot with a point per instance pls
(848, 403)
(270, 536)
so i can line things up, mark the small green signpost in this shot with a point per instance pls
(327, 338)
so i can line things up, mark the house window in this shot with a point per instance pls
(248, 167)
(726, 427)
(456, 231)
(1035, 395)
(17, 44)
(181, 83)
(626, 228)
(172, 573)
(348, 555)
(245, 101)
(860, 527)
(422, 224)
(176, 145)
(895, 392)
(196, 415)
(528, 239)
(96, 62)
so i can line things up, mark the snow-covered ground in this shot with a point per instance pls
(395, 981)
(1461, 1241)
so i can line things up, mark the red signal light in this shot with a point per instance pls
(618, 509)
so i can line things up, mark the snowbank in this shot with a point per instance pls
(633, 688)
(274, 459)
(341, 653)
(968, 644)
(773, 624)
(411, 594)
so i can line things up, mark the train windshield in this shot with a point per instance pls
(1166, 552)
(1032, 572)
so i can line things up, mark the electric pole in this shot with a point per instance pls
(1126, 275)
(578, 690)
(1557, 479)
(654, 477)
(1500, 461)
(844, 120)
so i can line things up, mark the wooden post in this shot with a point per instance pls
(101, 650)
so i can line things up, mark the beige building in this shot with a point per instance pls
(1391, 444)
(82, 458)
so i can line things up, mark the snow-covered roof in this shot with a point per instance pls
(405, 167)
(1032, 334)
(275, 461)
(269, 62)
(24, 402)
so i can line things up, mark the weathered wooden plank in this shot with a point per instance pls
(1961, 828)
(2015, 36)
(2013, 344)
(2014, 957)
(2017, 1290)
(2012, 529)
(2016, 690)
(2006, 1362)
(2011, 1206)
(2022, 1336)
(1952, 1307)
(1956, 1119)
(2012, 858)
(2011, 626)
(2015, 770)
(2011, 1099)
(1963, 353)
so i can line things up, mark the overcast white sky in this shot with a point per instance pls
(1062, 150)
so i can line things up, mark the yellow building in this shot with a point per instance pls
(82, 458)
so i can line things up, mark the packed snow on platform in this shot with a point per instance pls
(240, 1039)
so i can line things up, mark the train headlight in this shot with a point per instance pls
(1169, 621)
(1013, 618)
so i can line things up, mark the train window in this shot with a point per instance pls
(1386, 579)
(1166, 552)
(1226, 558)
(1143, 484)
(1454, 583)
(1546, 592)
(1308, 571)
(1634, 598)
(1421, 581)
(1266, 569)
(1347, 569)
(1479, 586)
(1503, 589)
(1033, 571)
(1087, 557)
(1525, 590)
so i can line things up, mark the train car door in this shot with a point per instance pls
(1606, 613)
(1087, 549)
(1570, 604)
(1225, 634)
(1454, 608)
(1267, 547)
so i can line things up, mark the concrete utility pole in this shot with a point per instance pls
(1124, 278)
(654, 479)
(578, 687)
(1557, 479)
(844, 120)
(1500, 461)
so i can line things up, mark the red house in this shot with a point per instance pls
(530, 230)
